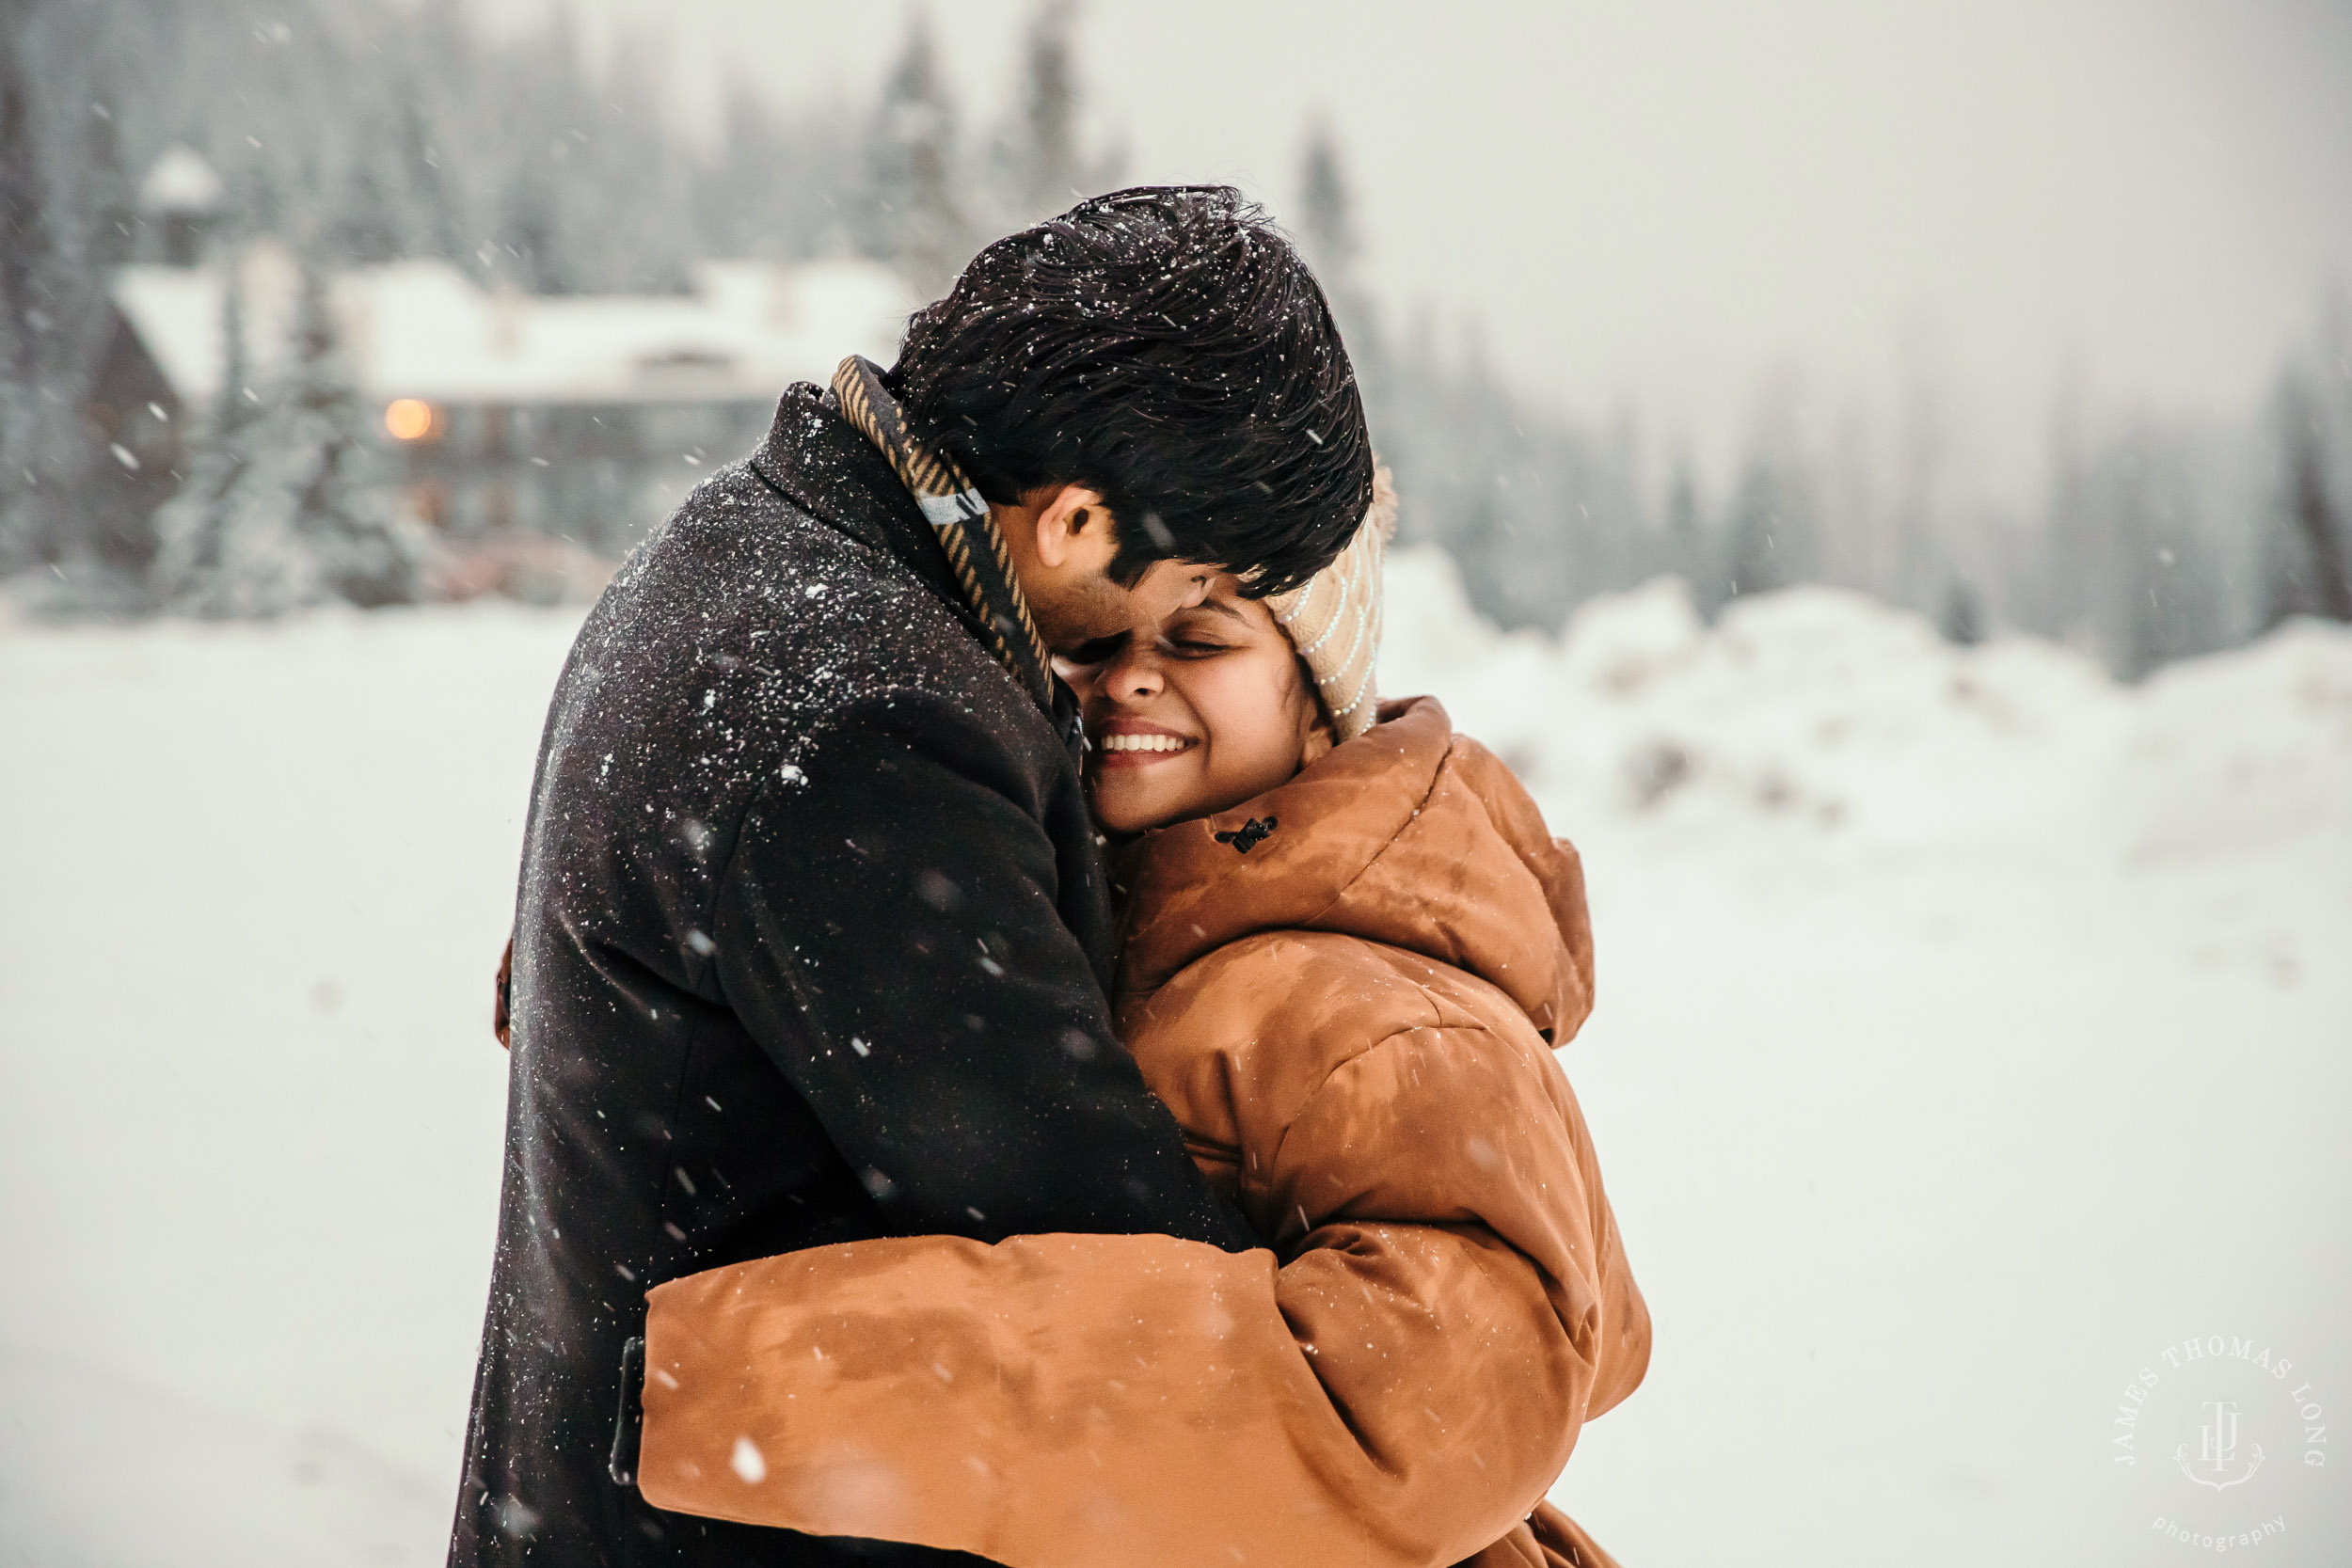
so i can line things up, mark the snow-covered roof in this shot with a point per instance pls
(423, 330)
(180, 182)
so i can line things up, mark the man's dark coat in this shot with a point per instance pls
(812, 946)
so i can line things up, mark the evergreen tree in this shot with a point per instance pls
(1916, 570)
(2056, 592)
(367, 227)
(1332, 241)
(23, 243)
(2304, 569)
(530, 257)
(105, 193)
(625, 182)
(1050, 167)
(193, 527)
(1756, 556)
(280, 512)
(912, 217)
(2158, 583)
(1768, 543)
(63, 201)
(774, 187)
(1037, 161)
(1326, 212)
(1686, 555)
(1962, 621)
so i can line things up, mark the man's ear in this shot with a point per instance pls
(1074, 527)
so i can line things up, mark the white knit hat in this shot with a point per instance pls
(1333, 619)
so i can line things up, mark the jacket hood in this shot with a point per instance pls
(1408, 835)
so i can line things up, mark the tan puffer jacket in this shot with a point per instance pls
(1351, 1015)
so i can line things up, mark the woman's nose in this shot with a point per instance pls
(1133, 675)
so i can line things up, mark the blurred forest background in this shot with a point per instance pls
(353, 137)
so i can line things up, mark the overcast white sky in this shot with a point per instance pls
(1664, 204)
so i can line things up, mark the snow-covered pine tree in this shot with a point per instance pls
(911, 218)
(280, 512)
(1961, 619)
(1041, 162)
(1332, 242)
(2155, 586)
(61, 204)
(1050, 111)
(2304, 564)
(1685, 544)
(23, 239)
(1326, 213)
(189, 527)
(1909, 573)
(1769, 540)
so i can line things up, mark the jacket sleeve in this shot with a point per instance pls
(892, 930)
(1400, 1392)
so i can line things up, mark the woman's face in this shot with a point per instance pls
(1195, 713)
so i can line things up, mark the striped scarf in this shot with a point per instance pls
(958, 514)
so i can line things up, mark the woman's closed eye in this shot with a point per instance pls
(1204, 633)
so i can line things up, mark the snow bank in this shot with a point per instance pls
(1820, 708)
(1968, 1031)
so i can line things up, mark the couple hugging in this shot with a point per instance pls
(1018, 1055)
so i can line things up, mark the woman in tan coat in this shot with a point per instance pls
(1344, 968)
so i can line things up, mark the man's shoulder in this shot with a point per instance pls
(748, 635)
(774, 621)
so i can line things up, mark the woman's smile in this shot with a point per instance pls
(1128, 743)
(1215, 685)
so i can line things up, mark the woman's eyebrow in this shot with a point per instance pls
(1229, 612)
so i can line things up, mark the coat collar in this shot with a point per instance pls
(818, 460)
(1409, 835)
(822, 463)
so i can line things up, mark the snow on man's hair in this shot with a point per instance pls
(1166, 347)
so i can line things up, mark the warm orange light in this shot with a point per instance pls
(408, 419)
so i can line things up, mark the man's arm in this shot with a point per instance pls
(888, 930)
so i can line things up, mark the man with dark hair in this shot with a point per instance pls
(1187, 367)
(812, 935)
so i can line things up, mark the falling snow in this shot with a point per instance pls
(1949, 1000)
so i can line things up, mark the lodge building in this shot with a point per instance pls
(584, 418)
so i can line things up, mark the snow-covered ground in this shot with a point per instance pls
(1971, 1030)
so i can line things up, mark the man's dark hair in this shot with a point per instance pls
(1166, 347)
